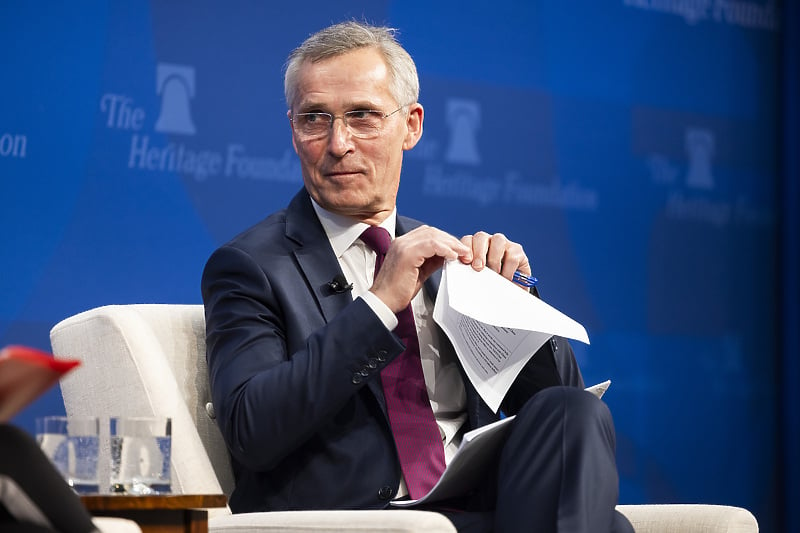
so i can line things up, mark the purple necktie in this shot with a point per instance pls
(416, 434)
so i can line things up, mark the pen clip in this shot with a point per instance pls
(524, 280)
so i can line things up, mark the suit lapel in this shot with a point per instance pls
(314, 255)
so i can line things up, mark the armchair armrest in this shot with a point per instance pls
(689, 518)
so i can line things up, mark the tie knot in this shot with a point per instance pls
(377, 239)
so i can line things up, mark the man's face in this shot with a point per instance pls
(344, 174)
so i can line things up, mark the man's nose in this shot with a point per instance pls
(341, 140)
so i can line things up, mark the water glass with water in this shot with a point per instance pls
(71, 444)
(140, 455)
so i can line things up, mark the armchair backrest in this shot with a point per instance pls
(148, 360)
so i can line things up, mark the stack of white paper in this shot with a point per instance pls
(495, 326)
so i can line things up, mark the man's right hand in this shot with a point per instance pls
(411, 259)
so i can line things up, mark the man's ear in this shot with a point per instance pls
(416, 115)
(291, 125)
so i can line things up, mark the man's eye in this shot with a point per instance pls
(311, 118)
(360, 114)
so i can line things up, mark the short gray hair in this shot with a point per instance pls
(347, 36)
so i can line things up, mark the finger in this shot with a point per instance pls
(429, 267)
(496, 255)
(513, 261)
(480, 247)
(423, 243)
(466, 240)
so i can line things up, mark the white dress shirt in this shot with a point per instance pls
(439, 362)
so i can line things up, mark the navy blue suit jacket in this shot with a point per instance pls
(294, 371)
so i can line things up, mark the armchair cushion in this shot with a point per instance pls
(396, 521)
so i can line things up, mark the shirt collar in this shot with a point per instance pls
(342, 231)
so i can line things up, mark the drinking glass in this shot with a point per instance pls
(71, 444)
(140, 454)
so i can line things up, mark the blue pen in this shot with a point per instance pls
(523, 279)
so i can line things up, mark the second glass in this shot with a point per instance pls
(140, 455)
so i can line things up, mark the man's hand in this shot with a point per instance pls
(497, 252)
(411, 259)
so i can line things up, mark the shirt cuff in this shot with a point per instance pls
(382, 310)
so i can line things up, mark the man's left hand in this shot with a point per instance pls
(497, 252)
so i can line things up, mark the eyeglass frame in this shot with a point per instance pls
(343, 116)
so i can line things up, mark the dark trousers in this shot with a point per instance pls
(35, 497)
(556, 472)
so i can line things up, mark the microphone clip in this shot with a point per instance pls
(339, 284)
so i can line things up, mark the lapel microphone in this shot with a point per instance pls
(339, 284)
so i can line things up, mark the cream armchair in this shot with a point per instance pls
(149, 359)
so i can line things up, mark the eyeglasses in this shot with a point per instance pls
(362, 123)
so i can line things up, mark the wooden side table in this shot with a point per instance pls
(164, 513)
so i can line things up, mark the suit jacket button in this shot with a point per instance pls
(380, 355)
(385, 492)
(357, 378)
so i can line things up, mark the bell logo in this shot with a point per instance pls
(463, 120)
(700, 149)
(175, 85)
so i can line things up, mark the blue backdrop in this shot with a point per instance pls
(631, 146)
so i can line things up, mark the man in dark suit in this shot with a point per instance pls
(307, 322)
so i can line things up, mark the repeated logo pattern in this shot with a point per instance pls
(175, 85)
